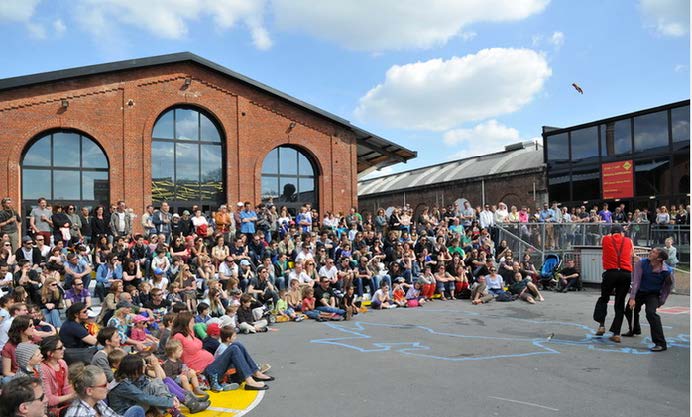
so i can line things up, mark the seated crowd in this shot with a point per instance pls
(158, 325)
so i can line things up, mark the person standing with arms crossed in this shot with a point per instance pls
(651, 285)
(618, 251)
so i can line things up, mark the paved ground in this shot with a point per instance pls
(452, 358)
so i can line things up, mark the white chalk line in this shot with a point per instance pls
(525, 403)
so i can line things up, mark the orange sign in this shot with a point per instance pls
(618, 179)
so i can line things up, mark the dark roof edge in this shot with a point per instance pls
(549, 130)
(59, 75)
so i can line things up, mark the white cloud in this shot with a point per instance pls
(667, 17)
(59, 27)
(557, 39)
(17, 10)
(439, 94)
(36, 31)
(484, 138)
(395, 24)
(169, 19)
(680, 68)
(467, 36)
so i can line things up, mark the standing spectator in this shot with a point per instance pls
(605, 214)
(223, 221)
(148, 221)
(162, 220)
(617, 263)
(487, 219)
(100, 225)
(75, 222)
(121, 222)
(10, 222)
(40, 220)
(248, 217)
(85, 220)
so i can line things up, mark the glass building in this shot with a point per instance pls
(652, 146)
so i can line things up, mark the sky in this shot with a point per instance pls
(446, 78)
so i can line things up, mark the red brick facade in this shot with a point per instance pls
(118, 110)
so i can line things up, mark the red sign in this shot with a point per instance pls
(618, 179)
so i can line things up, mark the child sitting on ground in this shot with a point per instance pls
(227, 336)
(211, 342)
(247, 322)
(348, 303)
(428, 283)
(114, 358)
(381, 299)
(414, 298)
(179, 372)
(202, 313)
(283, 311)
(295, 295)
(139, 334)
(399, 293)
(308, 306)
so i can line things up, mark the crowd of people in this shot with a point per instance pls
(173, 296)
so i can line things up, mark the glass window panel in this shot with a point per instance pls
(288, 161)
(616, 138)
(652, 177)
(162, 160)
(271, 162)
(558, 187)
(208, 130)
(558, 148)
(306, 188)
(211, 162)
(187, 171)
(164, 126)
(95, 186)
(186, 124)
(651, 132)
(288, 188)
(66, 185)
(304, 166)
(584, 144)
(586, 185)
(270, 187)
(39, 153)
(35, 184)
(66, 149)
(680, 120)
(92, 155)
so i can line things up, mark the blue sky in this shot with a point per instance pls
(452, 79)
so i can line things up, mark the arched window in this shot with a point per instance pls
(289, 178)
(65, 167)
(187, 160)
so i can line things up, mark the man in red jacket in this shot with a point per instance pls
(617, 263)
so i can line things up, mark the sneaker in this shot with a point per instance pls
(298, 318)
(392, 306)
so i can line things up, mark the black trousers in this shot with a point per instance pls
(651, 302)
(618, 280)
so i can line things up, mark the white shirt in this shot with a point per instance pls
(121, 221)
(303, 277)
(328, 272)
(487, 219)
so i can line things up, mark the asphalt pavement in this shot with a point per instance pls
(450, 358)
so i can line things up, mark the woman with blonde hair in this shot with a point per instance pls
(50, 301)
(188, 284)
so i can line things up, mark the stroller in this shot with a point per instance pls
(549, 269)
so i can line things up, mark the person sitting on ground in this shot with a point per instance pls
(179, 372)
(54, 375)
(308, 306)
(381, 299)
(569, 276)
(249, 316)
(326, 300)
(109, 338)
(520, 288)
(29, 360)
(480, 293)
(283, 310)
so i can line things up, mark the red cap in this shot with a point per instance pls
(213, 329)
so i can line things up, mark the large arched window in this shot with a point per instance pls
(288, 177)
(187, 160)
(65, 167)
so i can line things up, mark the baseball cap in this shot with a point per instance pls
(176, 215)
(245, 262)
(213, 329)
(158, 271)
(27, 239)
(239, 204)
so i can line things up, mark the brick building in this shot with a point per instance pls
(177, 128)
(515, 176)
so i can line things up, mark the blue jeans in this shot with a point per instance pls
(379, 278)
(234, 356)
(280, 282)
(52, 317)
(327, 309)
(134, 411)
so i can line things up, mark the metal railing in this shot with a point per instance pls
(541, 238)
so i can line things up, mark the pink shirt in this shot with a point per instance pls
(193, 355)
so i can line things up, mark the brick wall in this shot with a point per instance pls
(118, 110)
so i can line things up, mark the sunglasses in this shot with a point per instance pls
(41, 398)
(100, 386)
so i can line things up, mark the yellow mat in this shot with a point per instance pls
(234, 403)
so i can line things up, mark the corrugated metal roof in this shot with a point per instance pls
(527, 156)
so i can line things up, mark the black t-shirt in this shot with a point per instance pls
(72, 333)
(568, 271)
(210, 344)
(321, 293)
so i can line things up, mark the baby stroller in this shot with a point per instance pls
(549, 269)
